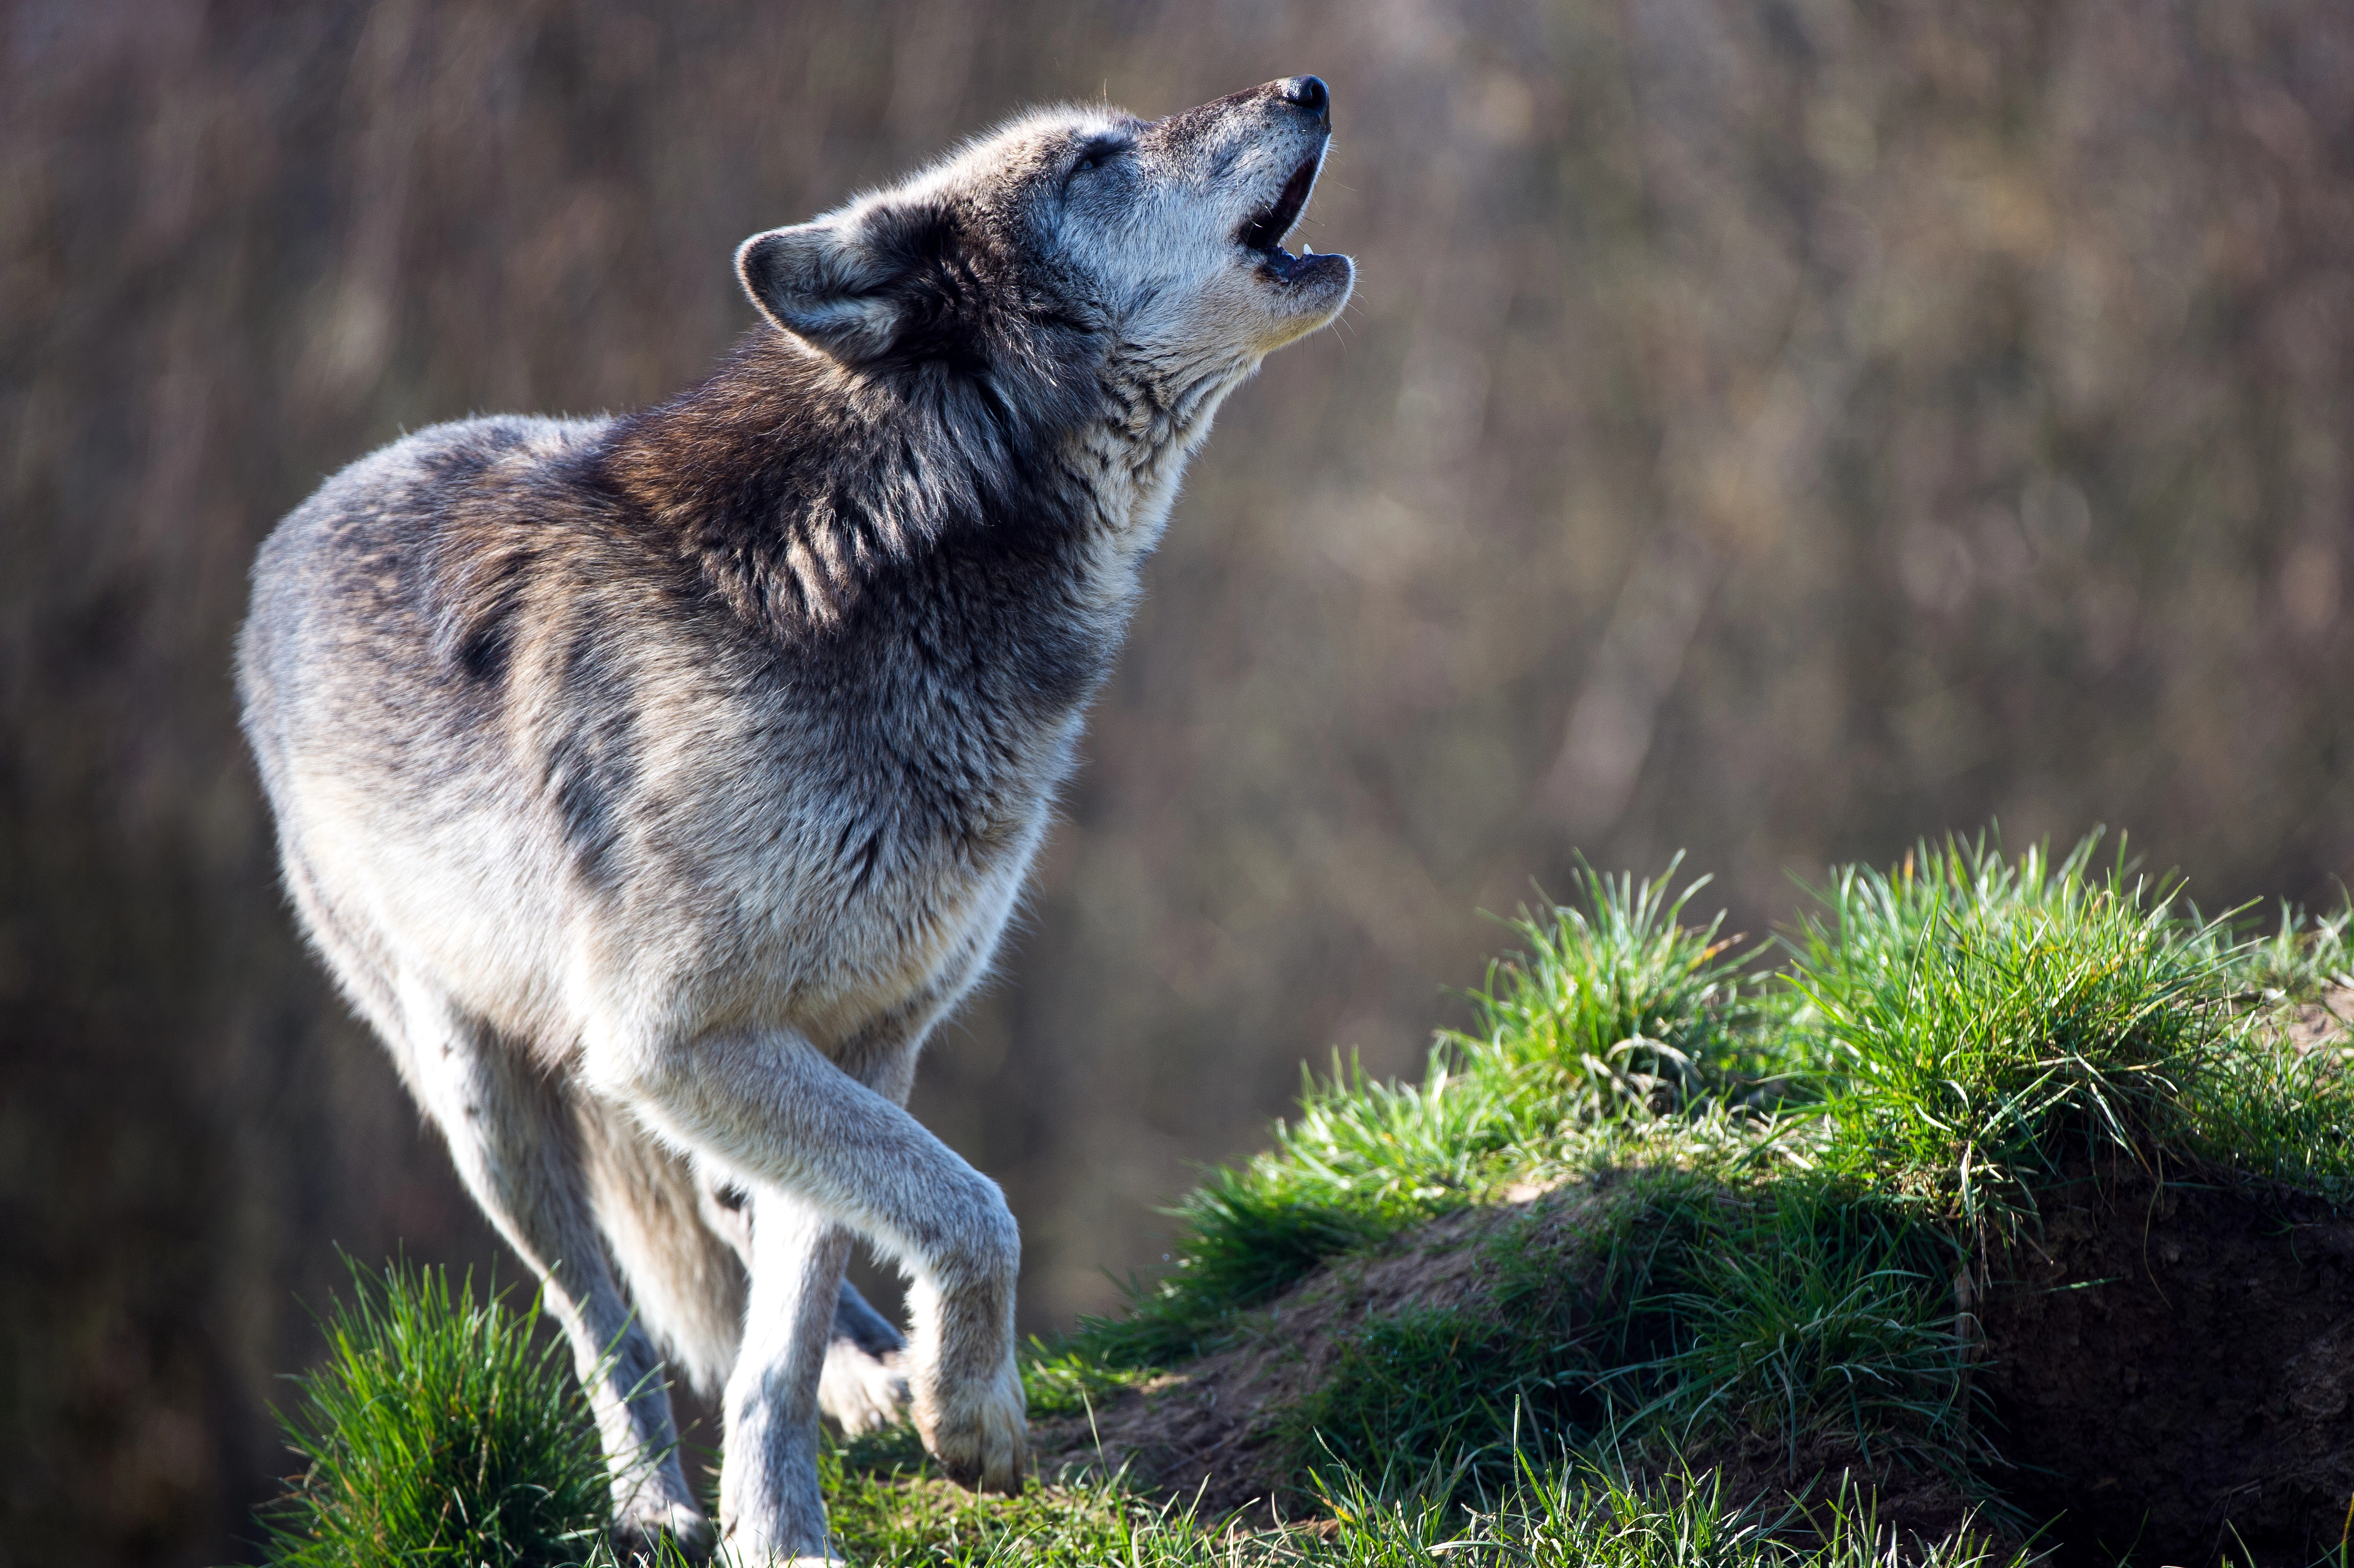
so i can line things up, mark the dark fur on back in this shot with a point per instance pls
(903, 558)
(823, 521)
(883, 558)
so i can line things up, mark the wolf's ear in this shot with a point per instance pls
(823, 283)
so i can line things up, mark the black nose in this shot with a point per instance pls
(1308, 93)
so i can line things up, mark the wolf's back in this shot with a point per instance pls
(364, 595)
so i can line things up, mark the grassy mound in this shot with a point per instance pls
(1756, 1215)
(1820, 1252)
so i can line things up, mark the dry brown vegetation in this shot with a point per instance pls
(1775, 427)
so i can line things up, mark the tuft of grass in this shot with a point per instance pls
(438, 1432)
(1427, 1392)
(1981, 1017)
(1800, 1308)
(1618, 1014)
(2301, 957)
(1973, 1021)
(1616, 1007)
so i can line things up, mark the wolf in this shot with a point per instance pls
(654, 784)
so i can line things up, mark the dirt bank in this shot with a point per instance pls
(2171, 1369)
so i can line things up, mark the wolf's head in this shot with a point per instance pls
(1075, 246)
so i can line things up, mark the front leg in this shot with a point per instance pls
(779, 1115)
(771, 1506)
(864, 1385)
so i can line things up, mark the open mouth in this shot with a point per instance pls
(1263, 235)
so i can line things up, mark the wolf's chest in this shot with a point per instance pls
(836, 958)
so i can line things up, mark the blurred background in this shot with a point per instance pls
(1776, 428)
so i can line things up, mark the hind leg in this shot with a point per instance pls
(512, 1135)
(864, 1386)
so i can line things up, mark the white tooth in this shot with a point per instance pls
(1306, 248)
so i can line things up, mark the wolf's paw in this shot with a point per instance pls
(635, 1536)
(977, 1429)
(861, 1393)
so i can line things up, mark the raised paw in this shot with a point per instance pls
(636, 1537)
(977, 1429)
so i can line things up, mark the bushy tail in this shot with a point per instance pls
(685, 1278)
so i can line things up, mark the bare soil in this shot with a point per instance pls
(2172, 1368)
(1210, 1429)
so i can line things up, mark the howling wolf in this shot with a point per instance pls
(654, 784)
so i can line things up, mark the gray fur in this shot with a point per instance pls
(654, 784)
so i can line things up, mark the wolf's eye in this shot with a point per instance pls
(1094, 155)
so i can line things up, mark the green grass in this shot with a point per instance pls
(1800, 1308)
(1618, 1008)
(1981, 1020)
(2302, 956)
(1431, 1391)
(438, 1432)
(1616, 1013)
(1783, 1161)
(1788, 1309)
(1567, 1514)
